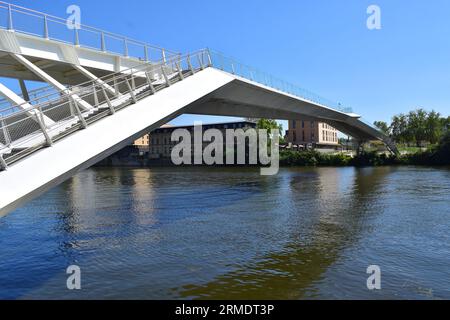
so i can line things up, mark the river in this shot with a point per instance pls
(213, 233)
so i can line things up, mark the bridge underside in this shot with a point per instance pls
(239, 98)
(62, 72)
(242, 98)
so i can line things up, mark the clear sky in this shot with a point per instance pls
(322, 45)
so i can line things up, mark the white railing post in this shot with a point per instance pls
(10, 19)
(40, 119)
(102, 40)
(46, 35)
(96, 103)
(77, 38)
(149, 82)
(80, 115)
(208, 53)
(146, 53)
(133, 82)
(133, 96)
(180, 71)
(116, 86)
(108, 102)
(5, 133)
(165, 76)
(200, 62)
(188, 59)
(125, 47)
(163, 52)
(71, 109)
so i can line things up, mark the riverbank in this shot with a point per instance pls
(304, 159)
(436, 156)
(316, 159)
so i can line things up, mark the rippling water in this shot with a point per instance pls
(213, 233)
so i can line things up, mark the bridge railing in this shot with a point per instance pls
(40, 122)
(27, 128)
(33, 94)
(231, 65)
(35, 23)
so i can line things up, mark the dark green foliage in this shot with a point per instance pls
(439, 155)
(312, 158)
(418, 127)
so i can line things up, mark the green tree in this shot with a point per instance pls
(434, 127)
(270, 124)
(383, 126)
(399, 129)
(417, 126)
(445, 123)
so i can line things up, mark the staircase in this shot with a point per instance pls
(23, 132)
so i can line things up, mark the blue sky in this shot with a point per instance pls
(321, 45)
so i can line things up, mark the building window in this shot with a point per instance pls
(294, 124)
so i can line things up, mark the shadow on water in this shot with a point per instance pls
(289, 274)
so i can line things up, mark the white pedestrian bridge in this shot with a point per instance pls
(103, 91)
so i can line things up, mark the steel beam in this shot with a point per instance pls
(24, 90)
(21, 103)
(93, 77)
(50, 80)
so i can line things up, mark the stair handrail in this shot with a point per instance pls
(36, 112)
(124, 73)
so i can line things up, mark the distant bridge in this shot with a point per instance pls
(104, 91)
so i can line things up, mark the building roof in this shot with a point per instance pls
(204, 125)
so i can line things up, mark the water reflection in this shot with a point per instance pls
(334, 219)
(229, 233)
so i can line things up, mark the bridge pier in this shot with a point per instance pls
(360, 147)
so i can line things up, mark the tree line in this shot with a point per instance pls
(416, 127)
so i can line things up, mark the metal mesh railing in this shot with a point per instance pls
(35, 23)
(36, 96)
(231, 65)
(26, 128)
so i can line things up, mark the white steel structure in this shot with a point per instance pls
(98, 101)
